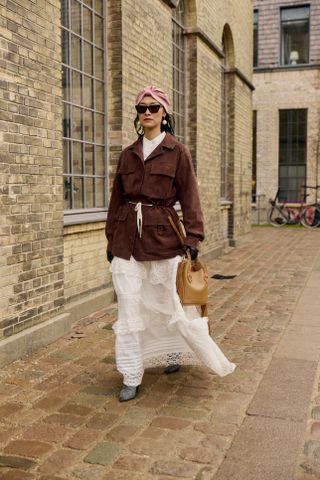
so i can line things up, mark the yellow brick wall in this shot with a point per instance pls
(213, 15)
(85, 263)
(147, 53)
(243, 152)
(284, 90)
(208, 148)
(31, 197)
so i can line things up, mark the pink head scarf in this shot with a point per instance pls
(157, 93)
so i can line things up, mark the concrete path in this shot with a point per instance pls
(60, 418)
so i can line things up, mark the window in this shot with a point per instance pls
(294, 35)
(178, 63)
(292, 153)
(255, 37)
(226, 105)
(254, 156)
(83, 81)
(224, 133)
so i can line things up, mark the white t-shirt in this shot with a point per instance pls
(149, 145)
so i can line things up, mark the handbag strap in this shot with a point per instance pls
(179, 231)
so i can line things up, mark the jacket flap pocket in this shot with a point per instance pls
(126, 168)
(163, 168)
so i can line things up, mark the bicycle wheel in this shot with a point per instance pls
(278, 216)
(311, 216)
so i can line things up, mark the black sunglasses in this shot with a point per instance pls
(152, 108)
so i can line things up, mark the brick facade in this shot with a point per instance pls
(280, 87)
(32, 271)
(284, 90)
(269, 32)
(46, 264)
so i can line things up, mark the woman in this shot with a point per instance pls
(153, 328)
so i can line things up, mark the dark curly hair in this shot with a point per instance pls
(169, 127)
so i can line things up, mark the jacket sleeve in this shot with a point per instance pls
(188, 196)
(116, 200)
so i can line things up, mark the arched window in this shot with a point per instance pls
(83, 81)
(224, 127)
(227, 114)
(178, 64)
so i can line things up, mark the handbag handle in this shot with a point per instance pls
(179, 232)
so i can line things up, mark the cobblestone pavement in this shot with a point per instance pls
(60, 418)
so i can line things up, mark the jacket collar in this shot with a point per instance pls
(169, 142)
(136, 148)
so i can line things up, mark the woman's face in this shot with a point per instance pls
(151, 121)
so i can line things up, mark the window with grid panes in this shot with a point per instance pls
(83, 80)
(178, 64)
(295, 35)
(292, 153)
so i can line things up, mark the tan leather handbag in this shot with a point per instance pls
(192, 277)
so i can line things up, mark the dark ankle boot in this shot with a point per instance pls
(128, 393)
(172, 369)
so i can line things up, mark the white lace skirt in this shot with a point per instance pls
(152, 328)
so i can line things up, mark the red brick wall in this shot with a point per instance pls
(269, 31)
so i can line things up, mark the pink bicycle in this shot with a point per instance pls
(311, 212)
(281, 214)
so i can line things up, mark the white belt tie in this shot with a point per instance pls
(138, 209)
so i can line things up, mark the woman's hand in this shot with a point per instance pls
(109, 256)
(193, 251)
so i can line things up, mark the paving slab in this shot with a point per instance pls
(308, 306)
(285, 390)
(300, 342)
(314, 280)
(246, 471)
(263, 449)
(306, 314)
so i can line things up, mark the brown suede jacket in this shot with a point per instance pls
(165, 177)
